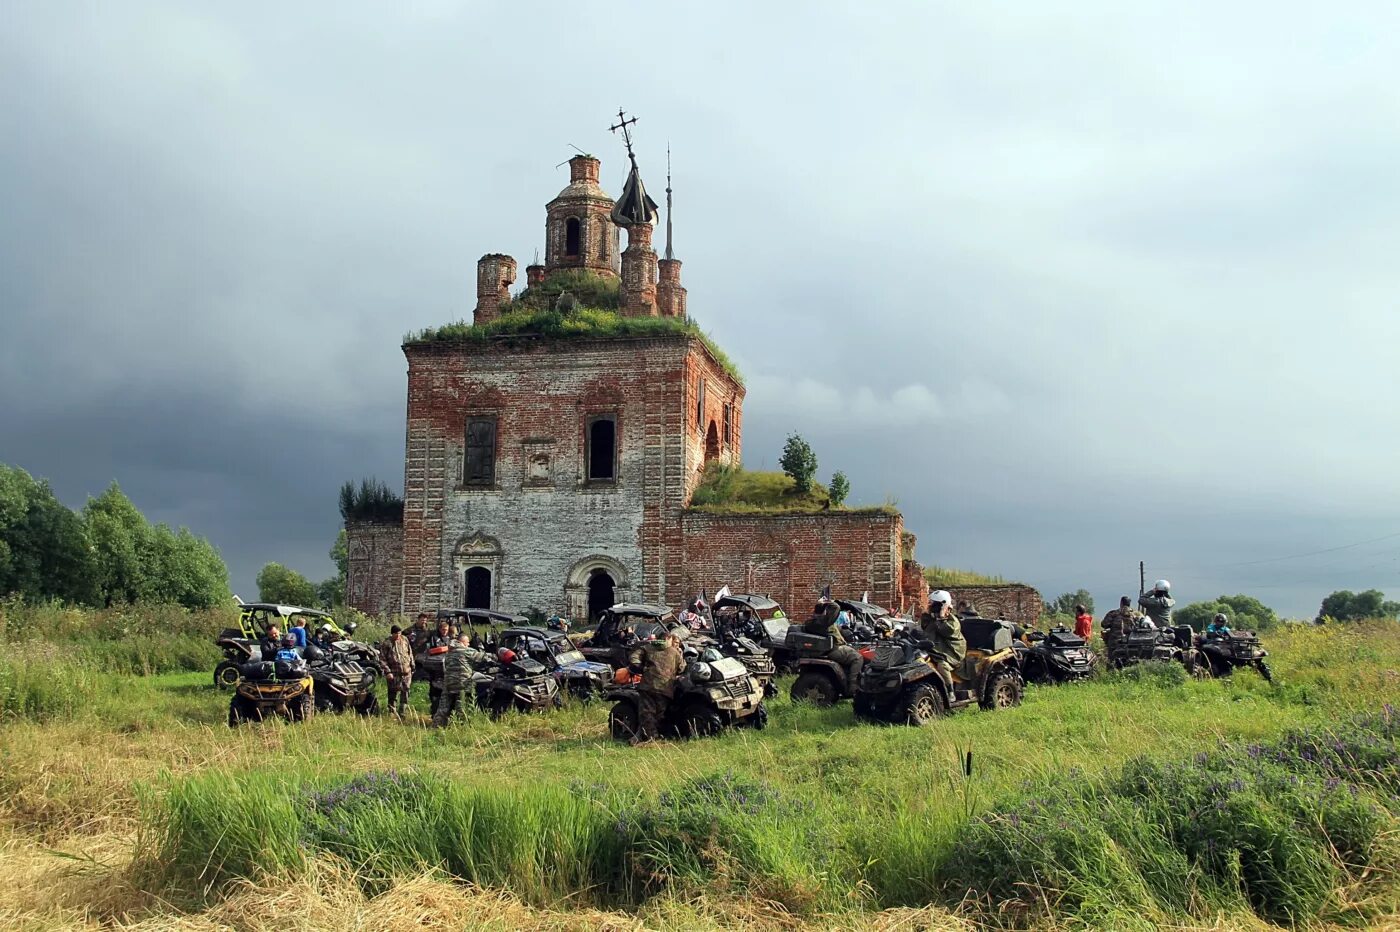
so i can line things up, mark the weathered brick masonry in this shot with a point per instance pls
(1012, 601)
(556, 471)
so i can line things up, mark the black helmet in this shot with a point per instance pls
(289, 641)
(312, 652)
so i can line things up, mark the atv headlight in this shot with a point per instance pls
(892, 682)
(701, 671)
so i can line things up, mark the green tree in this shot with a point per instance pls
(122, 547)
(838, 490)
(46, 552)
(277, 583)
(1242, 611)
(1064, 604)
(799, 462)
(1345, 605)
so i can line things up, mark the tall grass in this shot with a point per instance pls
(44, 687)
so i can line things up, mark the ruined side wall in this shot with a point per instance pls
(720, 389)
(373, 582)
(1011, 602)
(791, 557)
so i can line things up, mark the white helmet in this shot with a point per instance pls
(1163, 585)
(939, 595)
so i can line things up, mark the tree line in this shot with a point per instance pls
(105, 554)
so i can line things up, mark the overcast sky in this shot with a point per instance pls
(1076, 284)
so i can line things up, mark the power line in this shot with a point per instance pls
(1313, 553)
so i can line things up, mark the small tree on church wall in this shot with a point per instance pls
(799, 462)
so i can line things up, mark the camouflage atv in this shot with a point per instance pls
(1144, 642)
(1059, 656)
(714, 693)
(268, 689)
(902, 685)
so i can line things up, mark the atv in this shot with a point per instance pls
(272, 688)
(1145, 642)
(1059, 656)
(577, 676)
(714, 693)
(1236, 649)
(340, 682)
(240, 645)
(902, 684)
(820, 681)
(515, 681)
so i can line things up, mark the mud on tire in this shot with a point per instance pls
(815, 688)
(1004, 690)
(921, 705)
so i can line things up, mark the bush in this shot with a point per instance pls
(1243, 611)
(799, 462)
(373, 500)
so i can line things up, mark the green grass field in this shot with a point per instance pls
(1133, 801)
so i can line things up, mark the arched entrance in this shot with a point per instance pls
(712, 443)
(602, 592)
(478, 588)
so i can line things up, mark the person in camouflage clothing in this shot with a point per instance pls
(418, 635)
(397, 655)
(1157, 603)
(1116, 625)
(942, 632)
(661, 664)
(458, 665)
(824, 622)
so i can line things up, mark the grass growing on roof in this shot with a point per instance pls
(583, 323)
(735, 490)
(947, 576)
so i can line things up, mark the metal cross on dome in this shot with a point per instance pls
(623, 123)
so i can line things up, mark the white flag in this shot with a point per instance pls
(723, 591)
(865, 596)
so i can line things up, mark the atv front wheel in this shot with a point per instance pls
(702, 722)
(624, 724)
(816, 688)
(1202, 667)
(302, 708)
(923, 704)
(864, 708)
(1265, 672)
(759, 719)
(1004, 691)
(369, 706)
(240, 710)
(226, 675)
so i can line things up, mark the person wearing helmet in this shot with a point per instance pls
(1157, 603)
(1219, 626)
(942, 632)
(287, 650)
(660, 663)
(1116, 625)
(826, 622)
(397, 655)
(457, 667)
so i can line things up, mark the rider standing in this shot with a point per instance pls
(661, 664)
(1116, 625)
(1157, 603)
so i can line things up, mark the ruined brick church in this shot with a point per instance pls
(553, 467)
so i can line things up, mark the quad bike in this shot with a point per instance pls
(820, 681)
(902, 684)
(341, 683)
(578, 677)
(714, 693)
(1143, 643)
(272, 689)
(621, 629)
(515, 681)
(731, 640)
(1236, 649)
(1059, 656)
(240, 645)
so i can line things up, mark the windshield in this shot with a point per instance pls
(570, 656)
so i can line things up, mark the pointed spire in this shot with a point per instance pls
(669, 253)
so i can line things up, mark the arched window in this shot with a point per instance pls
(572, 235)
(602, 448)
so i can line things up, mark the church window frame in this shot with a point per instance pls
(728, 425)
(589, 424)
(480, 447)
(700, 405)
(573, 238)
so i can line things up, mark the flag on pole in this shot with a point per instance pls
(826, 592)
(723, 591)
(865, 596)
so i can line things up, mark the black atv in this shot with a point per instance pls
(621, 629)
(820, 681)
(1059, 656)
(901, 683)
(714, 693)
(1175, 644)
(341, 683)
(516, 681)
(578, 677)
(1236, 649)
(238, 649)
(271, 689)
(731, 638)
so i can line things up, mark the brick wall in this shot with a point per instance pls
(1011, 602)
(791, 557)
(375, 574)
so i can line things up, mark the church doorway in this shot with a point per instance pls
(602, 593)
(711, 443)
(478, 588)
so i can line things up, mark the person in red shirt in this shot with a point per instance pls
(1083, 622)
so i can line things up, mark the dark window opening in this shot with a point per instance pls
(728, 424)
(602, 593)
(479, 463)
(712, 443)
(602, 448)
(478, 593)
(700, 403)
(572, 234)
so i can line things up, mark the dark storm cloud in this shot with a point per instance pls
(1075, 284)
